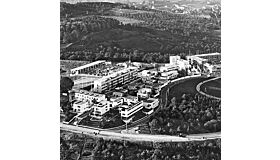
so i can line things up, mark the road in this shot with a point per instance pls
(115, 133)
(138, 137)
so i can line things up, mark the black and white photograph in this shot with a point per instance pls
(140, 79)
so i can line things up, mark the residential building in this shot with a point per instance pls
(128, 110)
(144, 93)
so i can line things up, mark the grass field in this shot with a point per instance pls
(187, 87)
(213, 88)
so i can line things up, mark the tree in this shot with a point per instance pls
(173, 101)
(66, 84)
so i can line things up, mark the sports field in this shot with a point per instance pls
(187, 87)
(212, 88)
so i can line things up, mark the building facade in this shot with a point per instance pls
(128, 111)
(116, 79)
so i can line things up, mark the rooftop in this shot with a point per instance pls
(88, 65)
(85, 92)
(80, 102)
(150, 100)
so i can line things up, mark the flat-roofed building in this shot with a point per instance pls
(116, 101)
(100, 109)
(83, 95)
(130, 99)
(87, 68)
(212, 57)
(81, 106)
(118, 94)
(144, 93)
(128, 110)
(168, 67)
(118, 78)
(174, 59)
(169, 75)
(151, 103)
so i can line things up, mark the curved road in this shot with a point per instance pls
(114, 133)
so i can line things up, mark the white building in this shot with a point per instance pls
(128, 111)
(151, 103)
(86, 68)
(168, 67)
(174, 59)
(169, 75)
(81, 106)
(144, 93)
(183, 64)
(100, 109)
(83, 95)
(116, 101)
(115, 79)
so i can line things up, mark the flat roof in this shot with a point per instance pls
(130, 97)
(88, 65)
(208, 54)
(85, 92)
(121, 71)
(80, 102)
(150, 100)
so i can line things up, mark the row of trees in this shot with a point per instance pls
(116, 53)
(181, 24)
(110, 149)
(80, 9)
(191, 115)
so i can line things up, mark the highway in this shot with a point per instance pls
(115, 133)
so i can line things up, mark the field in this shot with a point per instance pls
(187, 87)
(124, 20)
(212, 88)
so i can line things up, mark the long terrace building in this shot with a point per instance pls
(85, 69)
(117, 78)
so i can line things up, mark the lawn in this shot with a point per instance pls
(187, 87)
(212, 88)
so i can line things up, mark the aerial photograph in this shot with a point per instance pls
(140, 79)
